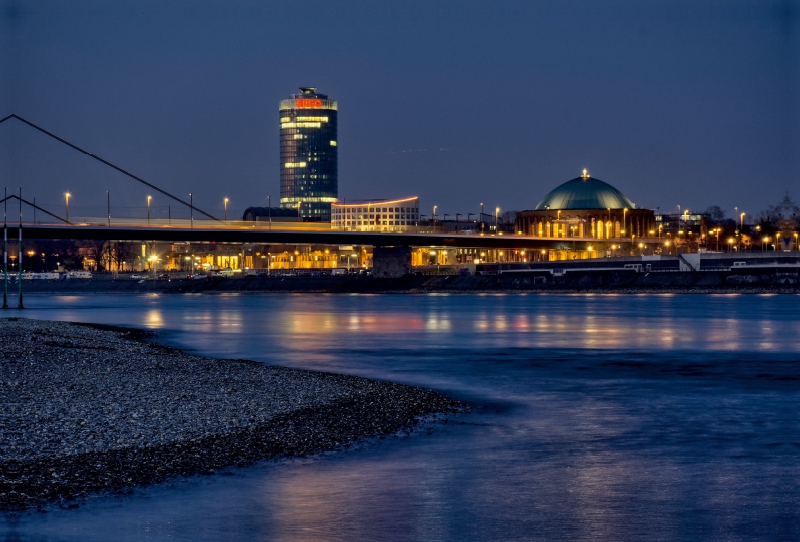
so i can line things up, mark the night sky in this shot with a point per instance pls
(675, 103)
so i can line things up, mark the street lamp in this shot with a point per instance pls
(434, 215)
(496, 215)
(624, 223)
(481, 217)
(226, 208)
(148, 209)
(67, 195)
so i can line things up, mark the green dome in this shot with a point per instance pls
(584, 193)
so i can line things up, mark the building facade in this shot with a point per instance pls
(586, 207)
(376, 215)
(309, 154)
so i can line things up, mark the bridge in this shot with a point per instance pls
(298, 233)
(211, 229)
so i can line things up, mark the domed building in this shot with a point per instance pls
(586, 207)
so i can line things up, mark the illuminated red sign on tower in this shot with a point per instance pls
(308, 104)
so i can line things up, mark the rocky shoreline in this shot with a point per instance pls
(88, 409)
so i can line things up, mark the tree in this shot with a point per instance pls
(715, 216)
(784, 216)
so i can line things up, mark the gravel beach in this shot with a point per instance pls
(89, 409)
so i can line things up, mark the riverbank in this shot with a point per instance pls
(89, 409)
(755, 281)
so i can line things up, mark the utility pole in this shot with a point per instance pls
(5, 249)
(19, 271)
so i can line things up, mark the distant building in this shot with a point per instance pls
(376, 215)
(309, 154)
(588, 208)
(265, 214)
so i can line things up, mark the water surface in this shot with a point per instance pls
(602, 417)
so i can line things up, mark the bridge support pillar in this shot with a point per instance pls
(391, 262)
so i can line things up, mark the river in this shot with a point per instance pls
(597, 417)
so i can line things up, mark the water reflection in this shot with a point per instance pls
(602, 417)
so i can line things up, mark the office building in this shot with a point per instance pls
(308, 154)
(376, 215)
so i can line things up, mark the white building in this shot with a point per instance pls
(376, 215)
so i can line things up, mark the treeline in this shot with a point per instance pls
(781, 217)
(48, 255)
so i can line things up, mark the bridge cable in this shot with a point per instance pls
(14, 196)
(106, 162)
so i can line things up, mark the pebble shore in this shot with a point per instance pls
(88, 409)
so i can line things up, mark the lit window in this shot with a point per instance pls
(294, 164)
(333, 143)
(300, 125)
(299, 136)
(285, 119)
(310, 119)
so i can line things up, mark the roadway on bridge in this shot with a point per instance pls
(299, 234)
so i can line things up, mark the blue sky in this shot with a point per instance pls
(689, 103)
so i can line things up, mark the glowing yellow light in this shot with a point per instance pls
(372, 204)
(290, 165)
(300, 125)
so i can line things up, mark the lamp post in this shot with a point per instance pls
(148, 209)
(481, 217)
(434, 215)
(624, 223)
(191, 211)
(226, 208)
(496, 216)
(67, 195)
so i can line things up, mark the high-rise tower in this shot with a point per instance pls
(309, 157)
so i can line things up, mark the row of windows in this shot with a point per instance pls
(338, 216)
(378, 222)
(291, 128)
(284, 120)
(375, 209)
(300, 125)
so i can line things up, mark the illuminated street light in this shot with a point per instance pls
(148, 209)
(226, 208)
(624, 226)
(67, 195)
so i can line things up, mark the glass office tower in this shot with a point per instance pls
(309, 172)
